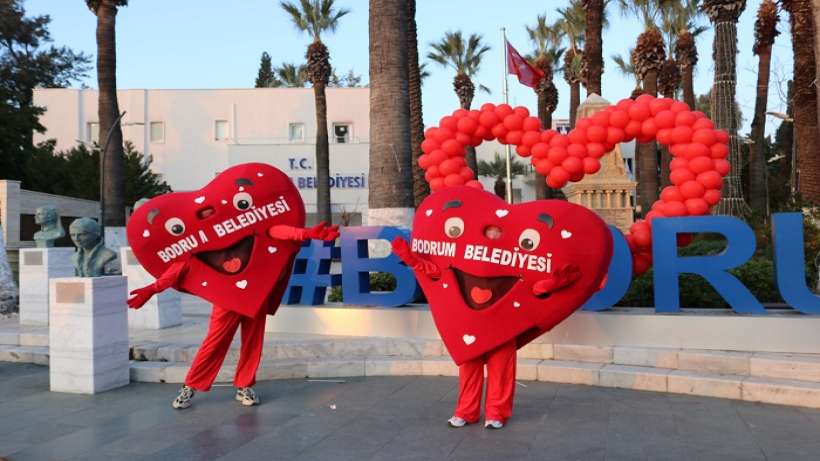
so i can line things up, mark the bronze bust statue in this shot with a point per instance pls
(92, 258)
(50, 227)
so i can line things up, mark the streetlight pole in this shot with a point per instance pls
(103, 154)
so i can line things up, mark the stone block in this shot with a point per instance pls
(8, 338)
(559, 371)
(527, 369)
(645, 356)
(36, 339)
(164, 310)
(37, 267)
(392, 367)
(704, 384)
(294, 369)
(540, 351)
(147, 372)
(781, 391)
(786, 366)
(88, 334)
(725, 362)
(335, 368)
(582, 353)
(439, 366)
(174, 373)
(633, 377)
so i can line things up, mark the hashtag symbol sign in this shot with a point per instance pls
(311, 275)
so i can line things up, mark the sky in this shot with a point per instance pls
(218, 43)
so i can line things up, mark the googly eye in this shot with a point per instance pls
(242, 201)
(175, 226)
(454, 227)
(529, 239)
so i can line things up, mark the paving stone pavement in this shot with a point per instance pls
(389, 418)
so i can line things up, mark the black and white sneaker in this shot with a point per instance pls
(247, 396)
(183, 400)
(456, 422)
(493, 424)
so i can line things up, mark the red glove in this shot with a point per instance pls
(140, 296)
(559, 278)
(320, 231)
(402, 250)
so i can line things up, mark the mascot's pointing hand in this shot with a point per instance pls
(559, 278)
(320, 231)
(402, 250)
(140, 296)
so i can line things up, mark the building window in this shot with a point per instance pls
(341, 133)
(93, 132)
(296, 132)
(221, 130)
(157, 132)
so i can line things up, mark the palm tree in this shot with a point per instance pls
(291, 75)
(647, 58)
(724, 15)
(391, 180)
(108, 111)
(497, 169)
(593, 48)
(805, 107)
(765, 32)
(315, 17)
(679, 24)
(626, 68)
(572, 24)
(414, 75)
(465, 58)
(547, 56)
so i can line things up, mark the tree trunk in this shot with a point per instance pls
(420, 187)
(593, 50)
(758, 185)
(108, 111)
(815, 4)
(688, 85)
(542, 191)
(647, 157)
(574, 102)
(805, 109)
(666, 157)
(471, 158)
(323, 211)
(391, 181)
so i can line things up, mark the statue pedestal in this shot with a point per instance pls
(162, 311)
(37, 266)
(88, 334)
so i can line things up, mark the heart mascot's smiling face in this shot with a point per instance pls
(491, 254)
(220, 232)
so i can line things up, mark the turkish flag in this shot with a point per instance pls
(518, 66)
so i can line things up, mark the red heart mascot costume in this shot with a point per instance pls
(232, 243)
(497, 275)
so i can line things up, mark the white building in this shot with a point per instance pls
(192, 135)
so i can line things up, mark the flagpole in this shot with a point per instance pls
(506, 94)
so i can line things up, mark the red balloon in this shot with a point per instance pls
(499, 131)
(678, 150)
(659, 105)
(522, 111)
(675, 208)
(679, 107)
(642, 238)
(700, 164)
(645, 99)
(722, 136)
(684, 239)
(639, 112)
(448, 167)
(466, 173)
(463, 139)
(554, 183)
(678, 163)
(503, 110)
(428, 145)
(578, 136)
(560, 141)
(532, 124)
(513, 122)
(710, 180)
(648, 128)
(632, 130)
(722, 166)
(720, 150)
(437, 156)
(596, 133)
(514, 137)
(543, 167)
(591, 165)
(696, 207)
(640, 263)
(487, 107)
(443, 134)
(436, 183)
(557, 154)
(460, 113)
(540, 150)
(475, 140)
(474, 184)
(702, 124)
(452, 147)
(643, 139)
(596, 150)
(705, 137)
(654, 214)
(547, 135)
(530, 138)
(624, 104)
(692, 189)
(614, 135)
(488, 119)
(474, 114)
(680, 176)
(575, 177)
(671, 194)
(712, 196)
(560, 175)
(573, 165)
(467, 126)
(695, 150)
(583, 123)
(577, 150)
(681, 134)
(619, 118)
(664, 136)
(686, 118)
(601, 119)
(523, 150)
(452, 180)
(449, 122)
(665, 119)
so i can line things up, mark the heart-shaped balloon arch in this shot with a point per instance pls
(698, 166)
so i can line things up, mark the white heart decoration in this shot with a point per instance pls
(259, 174)
(565, 234)
(444, 285)
(428, 212)
(502, 213)
(241, 189)
(242, 284)
(145, 233)
(204, 284)
(224, 202)
(271, 249)
(516, 304)
(199, 199)
(468, 339)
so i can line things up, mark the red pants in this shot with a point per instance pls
(500, 385)
(215, 347)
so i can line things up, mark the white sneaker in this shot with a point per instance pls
(183, 400)
(247, 396)
(493, 424)
(456, 422)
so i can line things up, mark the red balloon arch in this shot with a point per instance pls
(698, 150)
